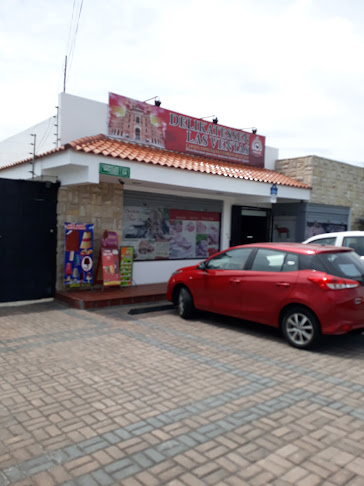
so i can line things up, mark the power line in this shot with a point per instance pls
(72, 37)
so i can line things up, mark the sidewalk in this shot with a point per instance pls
(111, 296)
(108, 397)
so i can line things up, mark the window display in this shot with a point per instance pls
(167, 234)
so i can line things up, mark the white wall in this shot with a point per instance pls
(270, 157)
(158, 271)
(80, 117)
(18, 147)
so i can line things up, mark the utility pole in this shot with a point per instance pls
(33, 153)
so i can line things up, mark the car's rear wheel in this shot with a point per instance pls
(185, 303)
(300, 327)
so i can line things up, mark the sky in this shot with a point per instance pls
(291, 68)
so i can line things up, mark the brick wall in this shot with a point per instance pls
(333, 183)
(100, 204)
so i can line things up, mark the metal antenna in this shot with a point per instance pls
(65, 75)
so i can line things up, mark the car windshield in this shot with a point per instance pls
(340, 264)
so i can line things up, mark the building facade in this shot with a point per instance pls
(174, 208)
(337, 196)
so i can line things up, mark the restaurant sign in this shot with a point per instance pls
(140, 122)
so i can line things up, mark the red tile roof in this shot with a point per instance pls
(109, 147)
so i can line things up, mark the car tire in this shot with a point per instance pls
(300, 327)
(185, 303)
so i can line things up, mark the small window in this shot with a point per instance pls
(267, 260)
(290, 263)
(230, 260)
(356, 243)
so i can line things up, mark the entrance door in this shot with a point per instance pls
(249, 225)
(28, 237)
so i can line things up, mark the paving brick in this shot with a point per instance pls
(310, 480)
(43, 479)
(125, 408)
(59, 474)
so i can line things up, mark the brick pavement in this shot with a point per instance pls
(97, 398)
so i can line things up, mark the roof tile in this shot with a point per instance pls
(110, 147)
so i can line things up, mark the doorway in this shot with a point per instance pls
(250, 225)
(28, 239)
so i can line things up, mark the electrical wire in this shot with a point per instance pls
(70, 49)
(45, 134)
(70, 29)
(73, 37)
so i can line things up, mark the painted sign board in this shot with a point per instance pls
(126, 265)
(110, 267)
(142, 123)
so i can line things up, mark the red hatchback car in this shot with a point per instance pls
(305, 290)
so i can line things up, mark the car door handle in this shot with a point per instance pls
(283, 284)
(235, 280)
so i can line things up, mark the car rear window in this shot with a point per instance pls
(341, 264)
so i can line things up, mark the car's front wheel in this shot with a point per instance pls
(300, 327)
(185, 303)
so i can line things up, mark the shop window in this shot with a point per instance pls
(171, 234)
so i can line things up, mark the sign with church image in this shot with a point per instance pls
(140, 122)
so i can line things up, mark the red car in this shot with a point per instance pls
(305, 290)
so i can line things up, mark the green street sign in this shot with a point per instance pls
(114, 170)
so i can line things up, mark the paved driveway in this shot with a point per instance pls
(105, 397)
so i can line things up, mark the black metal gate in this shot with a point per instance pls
(28, 239)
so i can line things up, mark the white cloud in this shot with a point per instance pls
(290, 67)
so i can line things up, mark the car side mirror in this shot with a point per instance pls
(202, 266)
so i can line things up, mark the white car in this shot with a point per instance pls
(352, 239)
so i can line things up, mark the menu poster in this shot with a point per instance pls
(166, 234)
(78, 263)
(193, 234)
(110, 267)
(126, 265)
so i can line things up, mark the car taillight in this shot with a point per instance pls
(334, 283)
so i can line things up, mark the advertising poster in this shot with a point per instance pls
(316, 228)
(108, 270)
(147, 230)
(110, 266)
(126, 266)
(140, 122)
(78, 267)
(194, 234)
(284, 228)
(162, 234)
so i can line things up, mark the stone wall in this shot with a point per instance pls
(333, 183)
(100, 204)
